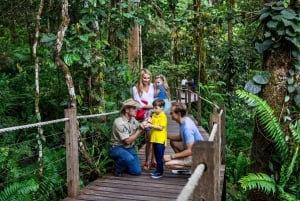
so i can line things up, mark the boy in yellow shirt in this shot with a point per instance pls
(158, 135)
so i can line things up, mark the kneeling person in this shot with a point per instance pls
(124, 132)
(182, 143)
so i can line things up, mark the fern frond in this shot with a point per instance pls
(241, 164)
(295, 130)
(288, 167)
(267, 118)
(258, 181)
(19, 190)
(284, 196)
(51, 180)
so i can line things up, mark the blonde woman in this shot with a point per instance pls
(143, 92)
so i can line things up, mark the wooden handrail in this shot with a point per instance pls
(189, 187)
(209, 153)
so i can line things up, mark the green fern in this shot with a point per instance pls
(287, 196)
(51, 179)
(259, 181)
(266, 116)
(19, 191)
(288, 168)
(241, 164)
(295, 129)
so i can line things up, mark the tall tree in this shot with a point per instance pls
(57, 49)
(135, 44)
(37, 86)
(199, 41)
(280, 48)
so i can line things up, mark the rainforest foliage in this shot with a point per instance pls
(241, 54)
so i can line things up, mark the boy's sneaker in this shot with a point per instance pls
(182, 172)
(156, 175)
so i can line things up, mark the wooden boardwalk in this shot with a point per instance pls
(137, 188)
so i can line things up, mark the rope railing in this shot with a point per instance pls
(2, 130)
(190, 186)
(97, 115)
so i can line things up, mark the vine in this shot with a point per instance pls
(282, 28)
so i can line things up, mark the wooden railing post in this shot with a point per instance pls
(178, 95)
(199, 108)
(72, 133)
(206, 190)
(189, 98)
(223, 135)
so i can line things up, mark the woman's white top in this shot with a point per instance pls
(146, 96)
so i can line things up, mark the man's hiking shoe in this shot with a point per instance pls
(156, 175)
(182, 172)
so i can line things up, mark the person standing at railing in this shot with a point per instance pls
(184, 81)
(162, 90)
(158, 125)
(182, 142)
(124, 133)
(143, 92)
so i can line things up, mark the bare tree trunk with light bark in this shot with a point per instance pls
(37, 86)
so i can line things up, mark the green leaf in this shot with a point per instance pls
(270, 4)
(264, 15)
(292, 40)
(261, 47)
(292, 24)
(291, 89)
(290, 80)
(277, 17)
(262, 77)
(267, 34)
(252, 87)
(69, 59)
(46, 38)
(297, 100)
(288, 14)
(286, 99)
(272, 24)
(286, 22)
(290, 33)
(297, 66)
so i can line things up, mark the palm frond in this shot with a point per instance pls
(258, 181)
(267, 118)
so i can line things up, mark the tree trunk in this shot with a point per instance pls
(200, 48)
(134, 60)
(278, 64)
(57, 49)
(37, 86)
(230, 60)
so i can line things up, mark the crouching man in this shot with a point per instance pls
(182, 143)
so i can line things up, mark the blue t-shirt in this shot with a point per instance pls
(162, 92)
(189, 132)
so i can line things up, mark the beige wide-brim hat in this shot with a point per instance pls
(130, 103)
